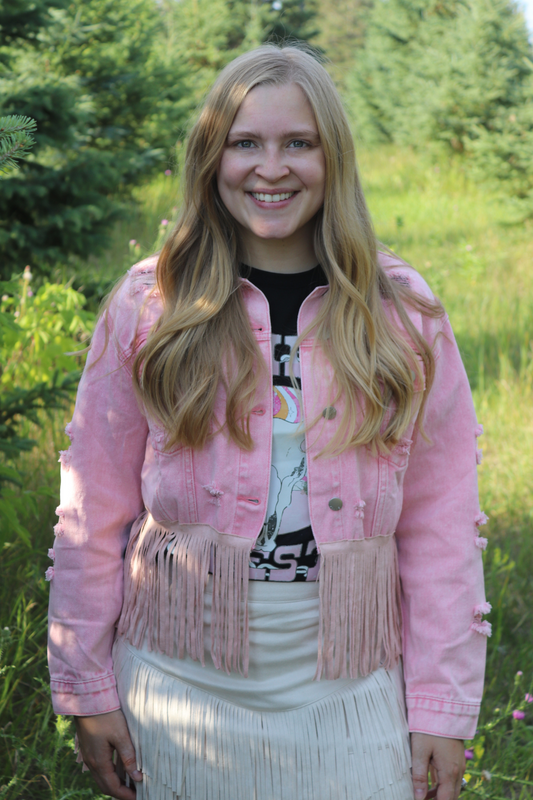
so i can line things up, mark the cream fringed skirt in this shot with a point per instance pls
(201, 734)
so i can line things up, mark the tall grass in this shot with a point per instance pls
(456, 235)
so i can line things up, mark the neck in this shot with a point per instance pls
(293, 254)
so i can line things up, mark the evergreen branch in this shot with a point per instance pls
(16, 140)
(17, 124)
(27, 404)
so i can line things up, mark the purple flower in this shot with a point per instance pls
(30, 293)
(518, 714)
(469, 755)
(528, 698)
(519, 672)
(164, 223)
(133, 242)
(168, 172)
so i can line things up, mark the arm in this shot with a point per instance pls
(100, 498)
(440, 564)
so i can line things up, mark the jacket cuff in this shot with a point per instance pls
(85, 698)
(448, 718)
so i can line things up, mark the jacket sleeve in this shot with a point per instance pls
(100, 499)
(440, 561)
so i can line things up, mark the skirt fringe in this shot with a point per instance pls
(352, 744)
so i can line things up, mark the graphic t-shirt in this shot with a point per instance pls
(286, 548)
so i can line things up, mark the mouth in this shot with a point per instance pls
(281, 197)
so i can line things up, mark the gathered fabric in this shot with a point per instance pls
(278, 734)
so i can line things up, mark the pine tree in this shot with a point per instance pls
(108, 102)
(341, 35)
(208, 34)
(16, 140)
(439, 70)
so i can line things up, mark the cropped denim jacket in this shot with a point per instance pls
(398, 534)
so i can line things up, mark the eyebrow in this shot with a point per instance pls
(301, 134)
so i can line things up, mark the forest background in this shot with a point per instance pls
(440, 93)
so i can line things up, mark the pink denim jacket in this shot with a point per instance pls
(414, 512)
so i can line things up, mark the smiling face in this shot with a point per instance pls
(271, 176)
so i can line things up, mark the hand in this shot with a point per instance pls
(98, 737)
(446, 760)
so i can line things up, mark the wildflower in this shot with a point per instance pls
(277, 5)
(486, 775)
(5, 297)
(519, 672)
(469, 247)
(27, 276)
(164, 223)
(30, 293)
(518, 714)
(469, 755)
(528, 698)
(168, 172)
(132, 242)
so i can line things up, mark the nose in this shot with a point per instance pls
(272, 167)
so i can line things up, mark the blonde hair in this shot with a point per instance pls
(203, 341)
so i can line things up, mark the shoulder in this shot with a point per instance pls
(403, 273)
(428, 316)
(135, 306)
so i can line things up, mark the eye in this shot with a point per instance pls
(298, 143)
(245, 144)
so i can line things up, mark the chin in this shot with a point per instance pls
(273, 233)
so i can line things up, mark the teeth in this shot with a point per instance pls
(272, 198)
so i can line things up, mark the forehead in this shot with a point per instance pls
(275, 109)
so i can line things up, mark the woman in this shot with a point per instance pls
(235, 672)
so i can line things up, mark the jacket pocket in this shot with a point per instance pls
(391, 472)
(176, 492)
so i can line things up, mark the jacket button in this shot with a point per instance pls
(329, 413)
(335, 504)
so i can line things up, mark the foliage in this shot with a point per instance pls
(455, 73)
(208, 34)
(16, 140)
(98, 78)
(438, 70)
(341, 35)
(37, 377)
(46, 326)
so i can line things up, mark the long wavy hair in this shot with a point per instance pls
(203, 344)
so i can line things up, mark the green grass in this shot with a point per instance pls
(457, 236)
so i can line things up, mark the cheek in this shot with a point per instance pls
(317, 178)
(230, 172)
